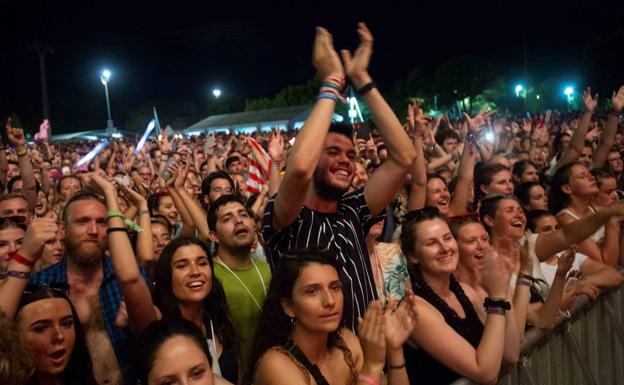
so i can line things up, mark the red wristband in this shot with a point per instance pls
(368, 379)
(17, 257)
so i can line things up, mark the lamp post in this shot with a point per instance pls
(216, 92)
(104, 78)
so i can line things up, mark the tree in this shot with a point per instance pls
(462, 79)
(293, 95)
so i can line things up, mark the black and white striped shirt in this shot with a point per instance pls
(342, 233)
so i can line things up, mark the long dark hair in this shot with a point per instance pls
(214, 305)
(274, 326)
(79, 369)
(557, 199)
(156, 334)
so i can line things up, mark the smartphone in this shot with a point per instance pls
(166, 174)
(363, 131)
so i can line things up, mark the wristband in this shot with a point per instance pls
(15, 274)
(21, 152)
(17, 257)
(114, 214)
(495, 310)
(141, 212)
(130, 223)
(113, 229)
(523, 282)
(615, 113)
(526, 276)
(394, 367)
(366, 89)
(368, 379)
(500, 303)
(327, 96)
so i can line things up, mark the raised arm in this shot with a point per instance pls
(39, 232)
(578, 138)
(544, 315)
(383, 184)
(608, 136)
(196, 212)
(306, 152)
(418, 193)
(135, 291)
(277, 154)
(18, 140)
(145, 246)
(575, 232)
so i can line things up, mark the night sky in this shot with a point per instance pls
(178, 51)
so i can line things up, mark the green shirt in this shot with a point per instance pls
(243, 309)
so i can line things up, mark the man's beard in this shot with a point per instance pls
(326, 191)
(82, 256)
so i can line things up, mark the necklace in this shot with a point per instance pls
(218, 259)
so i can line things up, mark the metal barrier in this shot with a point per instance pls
(586, 348)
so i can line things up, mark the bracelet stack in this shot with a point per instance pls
(496, 305)
(332, 87)
(524, 280)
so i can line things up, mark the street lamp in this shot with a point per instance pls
(216, 92)
(518, 89)
(568, 91)
(104, 78)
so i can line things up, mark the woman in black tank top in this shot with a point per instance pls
(450, 340)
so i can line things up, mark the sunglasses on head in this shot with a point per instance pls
(463, 218)
(58, 287)
(18, 220)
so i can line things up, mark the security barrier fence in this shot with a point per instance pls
(586, 346)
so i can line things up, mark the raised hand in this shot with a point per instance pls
(400, 321)
(494, 275)
(15, 135)
(371, 333)
(39, 232)
(324, 56)
(590, 103)
(276, 146)
(134, 197)
(564, 264)
(165, 146)
(476, 124)
(617, 100)
(183, 171)
(356, 65)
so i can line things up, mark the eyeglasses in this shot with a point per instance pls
(18, 220)
(421, 214)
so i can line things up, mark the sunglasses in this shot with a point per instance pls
(18, 220)
(463, 218)
(58, 287)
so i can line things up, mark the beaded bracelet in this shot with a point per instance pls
(15, 274)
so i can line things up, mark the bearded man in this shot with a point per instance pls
(93, 289)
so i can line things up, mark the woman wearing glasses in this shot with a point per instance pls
(45, 317)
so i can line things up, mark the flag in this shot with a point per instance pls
(259, 165)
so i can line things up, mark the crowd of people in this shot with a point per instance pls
(380, 252)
